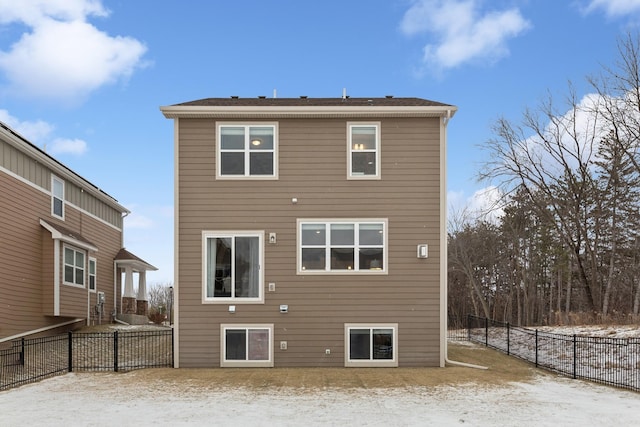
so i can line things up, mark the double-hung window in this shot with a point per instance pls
(342, 246)
(92, 274)
(232, 266)
(246, 345)
(364, 150)
(371, 345)
(74, 267)
(247, 151)
(57, 197)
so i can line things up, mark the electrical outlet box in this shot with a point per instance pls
(272, 287)
(327, 351)
(283, 345)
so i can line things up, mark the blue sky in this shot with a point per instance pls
(84, 79)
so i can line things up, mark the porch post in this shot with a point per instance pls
(142, 293)
(129, 297)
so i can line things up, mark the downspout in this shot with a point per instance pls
(444, 318)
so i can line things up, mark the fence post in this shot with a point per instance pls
(22, 352)
(70, 342)
(508, 340)
(536, 348)
(575, 358)
(486, 331)
(468, 327)
(115, 351)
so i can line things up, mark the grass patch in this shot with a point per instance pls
(503, 369)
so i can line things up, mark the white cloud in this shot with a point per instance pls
(35, 132)
(139, 221)
(485, 204)
(64, 57)
(76, 147)
(614, 8)
(464, 33)
(31, 12)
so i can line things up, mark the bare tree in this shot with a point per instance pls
(161, 301)
(547, 156)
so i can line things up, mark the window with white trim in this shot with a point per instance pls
(371, 345)
(232, 266)
(246, 345)
(92, 274)
(57, 197)
(364, 150)
(247, 151)
(74, 266)
(342, 246)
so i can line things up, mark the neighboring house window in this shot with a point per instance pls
(364, 150)
(371, 345)
(74, 267)
(231, 266)
(247, 151)
(342, 246)
(247, 345)
(92, 274)
(57, 197)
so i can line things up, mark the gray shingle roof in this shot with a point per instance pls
(312, 102)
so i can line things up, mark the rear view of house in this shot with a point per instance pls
(310, 231)
(61, 245)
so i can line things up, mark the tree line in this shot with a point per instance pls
(566, 247)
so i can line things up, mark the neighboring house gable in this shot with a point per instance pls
(310, 232)
(60, 236)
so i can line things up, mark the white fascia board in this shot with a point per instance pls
(197, 111)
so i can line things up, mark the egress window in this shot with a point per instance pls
(371, 345)
(364, 150)
(342, 246)
(231, 266)
(246, 345)
(247, 151)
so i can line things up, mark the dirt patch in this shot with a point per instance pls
(502, 370)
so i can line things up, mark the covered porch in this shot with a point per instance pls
(135, 301)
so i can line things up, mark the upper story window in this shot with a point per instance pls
(364, 150)
(57, 197)
(231, 266)
(247, 151)
(74, 266)
(342, 246)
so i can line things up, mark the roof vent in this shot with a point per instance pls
(261, 97)
(303, 97)
(234, 96)
(388, 96)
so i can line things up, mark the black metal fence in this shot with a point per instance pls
(612, 361)
(24, 361)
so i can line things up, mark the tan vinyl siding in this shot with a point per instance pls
(39, 175)
(26, 259)
(313, 168)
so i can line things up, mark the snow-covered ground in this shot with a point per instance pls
(102, 400)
